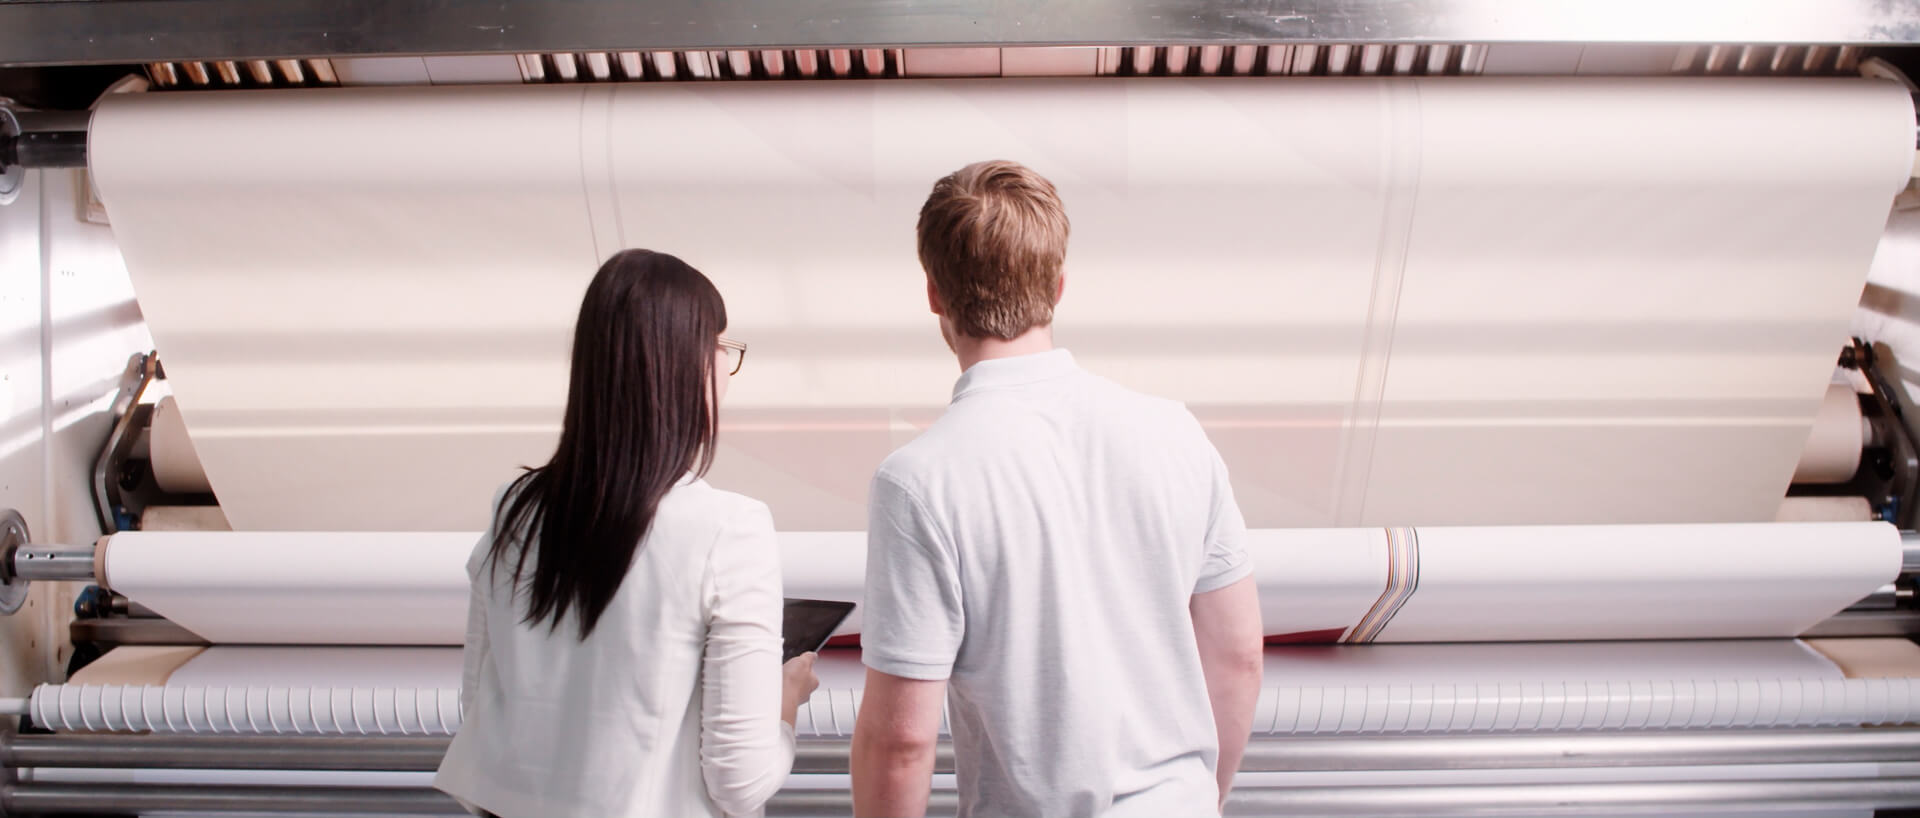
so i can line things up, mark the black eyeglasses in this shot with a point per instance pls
(736, 354)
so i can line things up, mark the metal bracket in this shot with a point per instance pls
(1900, 490)
(13, 535)
(12, 177)
(142, 369)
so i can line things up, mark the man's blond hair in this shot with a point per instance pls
(993, 236)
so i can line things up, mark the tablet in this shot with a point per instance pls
(808, 623)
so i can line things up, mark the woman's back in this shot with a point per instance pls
(612, 724)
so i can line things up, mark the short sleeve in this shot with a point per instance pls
(913, 623)
(1225, 561)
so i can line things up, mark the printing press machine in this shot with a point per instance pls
(1652, 645)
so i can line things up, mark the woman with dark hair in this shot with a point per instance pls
(623, 641)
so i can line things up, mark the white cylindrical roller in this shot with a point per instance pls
(361, 588)
(247, 710)
(1527, 583)
(1522, 583)
(176, 467)
(298, 587)
(1832, 452)
(1509, 583)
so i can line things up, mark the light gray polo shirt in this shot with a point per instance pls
(1037, 547)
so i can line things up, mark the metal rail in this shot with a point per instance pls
(1653, 797)
(1427, 801)
(139, 799)
(156, 752)
(139, 31)
(829, 756)
(1665, 797)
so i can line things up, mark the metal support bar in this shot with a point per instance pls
(829, 756)
(93, 799)
(44, 139)
(1674, 748)
(1657, 798)
(1408, 800)
(55, 563)
(45, 149)
(153, 752)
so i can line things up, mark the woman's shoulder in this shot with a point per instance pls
(699, 505)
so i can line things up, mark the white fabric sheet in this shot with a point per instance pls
(1832, 451)
(1392, 302)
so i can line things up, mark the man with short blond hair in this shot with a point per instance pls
(1058, 560)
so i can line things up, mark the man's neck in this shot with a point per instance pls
(971, 351)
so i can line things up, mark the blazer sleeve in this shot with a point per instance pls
(746, 749)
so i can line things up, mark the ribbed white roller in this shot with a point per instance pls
(246, 709)
(1518, 687)
(1567, 686)
(1333, 689)
(244, 690)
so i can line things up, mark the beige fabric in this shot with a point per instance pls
(1871, 658)
(136, 665)
(1389, 301)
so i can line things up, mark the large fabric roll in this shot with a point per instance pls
(1391, 301)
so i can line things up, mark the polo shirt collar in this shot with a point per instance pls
(994, 373)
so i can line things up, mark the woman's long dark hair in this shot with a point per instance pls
(640, 416)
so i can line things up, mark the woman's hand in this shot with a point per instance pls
(797, 683)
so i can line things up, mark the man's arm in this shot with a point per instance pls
(1226, 623)
(893, 745)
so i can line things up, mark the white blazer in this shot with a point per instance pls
(670, 707)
